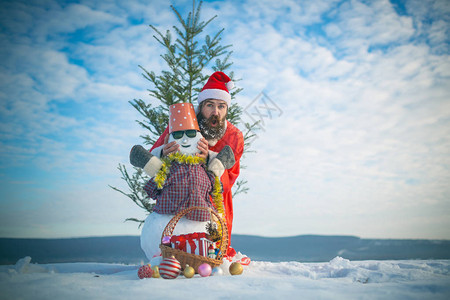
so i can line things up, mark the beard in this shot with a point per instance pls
(209, 131)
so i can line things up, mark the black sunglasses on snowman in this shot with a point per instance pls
(189, 133)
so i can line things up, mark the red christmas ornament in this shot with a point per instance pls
(169, 268)
(145, 272)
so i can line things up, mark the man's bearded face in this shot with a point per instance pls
(212, 128)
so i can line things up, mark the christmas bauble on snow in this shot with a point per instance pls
(155, 272)
(204, 270)
(145, 272)
(189, 272)
(236, 268)
(216, 271)
(170, 268)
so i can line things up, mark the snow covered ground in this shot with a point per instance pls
(337, 279)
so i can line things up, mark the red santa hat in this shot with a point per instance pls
(217, 87)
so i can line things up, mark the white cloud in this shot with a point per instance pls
(376, 22)
(352, 141)
(69, 19)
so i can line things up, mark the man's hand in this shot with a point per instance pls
(169, 147)
(203, 147)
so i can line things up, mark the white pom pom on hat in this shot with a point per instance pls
(230, 85)
(217, 87)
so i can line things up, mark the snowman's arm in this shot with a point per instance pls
(141, 158)
(222, 161)
(157, 151)
(211, 156)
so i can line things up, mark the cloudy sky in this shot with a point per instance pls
(354, 110)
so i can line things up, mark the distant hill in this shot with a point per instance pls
(115, 249)
(304, 248)
(315, 248)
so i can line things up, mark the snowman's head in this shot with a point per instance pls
(187, 139)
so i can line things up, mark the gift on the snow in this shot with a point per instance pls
(195, 243)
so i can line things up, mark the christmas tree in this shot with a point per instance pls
(187, 55)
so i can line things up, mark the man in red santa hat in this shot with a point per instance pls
(213, 103)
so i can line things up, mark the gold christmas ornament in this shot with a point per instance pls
(155, 272)
(189, 272)
(236, 269)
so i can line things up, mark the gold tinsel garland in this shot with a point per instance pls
(161, 177)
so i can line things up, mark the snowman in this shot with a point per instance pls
(179, 181)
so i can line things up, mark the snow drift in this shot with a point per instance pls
(337, 279)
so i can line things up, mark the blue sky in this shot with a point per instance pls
(358, 144)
